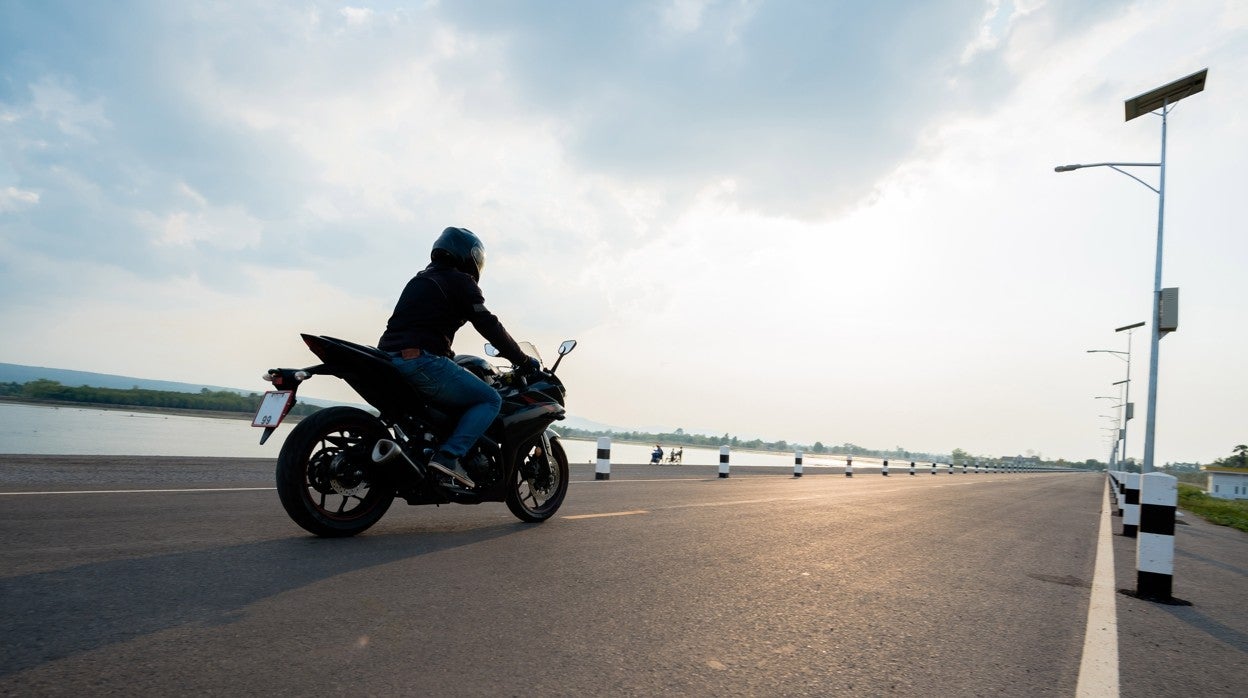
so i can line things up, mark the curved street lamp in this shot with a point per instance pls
(1158, 101)
(1126, 396)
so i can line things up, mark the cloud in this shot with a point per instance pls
(730, 202)
(14, 199)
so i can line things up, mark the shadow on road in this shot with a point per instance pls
(53, 615)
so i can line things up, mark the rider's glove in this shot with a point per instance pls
(530, 366)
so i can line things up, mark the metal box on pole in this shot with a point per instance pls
(1168, 312)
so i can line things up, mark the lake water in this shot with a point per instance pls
(47, 430)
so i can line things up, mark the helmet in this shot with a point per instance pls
(462, 249)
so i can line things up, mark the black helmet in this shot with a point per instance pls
(462, 249)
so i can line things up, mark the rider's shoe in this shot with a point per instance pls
(449, 465)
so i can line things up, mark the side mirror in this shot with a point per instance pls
(567, 347)
(490, 350)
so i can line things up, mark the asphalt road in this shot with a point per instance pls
(658, 581)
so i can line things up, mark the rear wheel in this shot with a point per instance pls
(540, 482)
(323, 473)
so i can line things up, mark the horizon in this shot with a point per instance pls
(590, 424)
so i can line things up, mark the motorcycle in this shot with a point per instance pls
(341, 467)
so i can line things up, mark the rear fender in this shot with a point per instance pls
(368, 370)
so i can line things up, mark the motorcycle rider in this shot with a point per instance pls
(433, 306)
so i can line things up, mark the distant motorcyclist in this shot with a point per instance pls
(418, 337)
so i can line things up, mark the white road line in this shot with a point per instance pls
(1098, 669)
(616, 482)
(205, 489)
(724, 504)
(613, 513)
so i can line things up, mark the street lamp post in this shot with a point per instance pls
(1113, 453)
(1159, 101)
(1126, 399)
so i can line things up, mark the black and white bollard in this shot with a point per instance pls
(1131, 504)
(911, 467)
(1122, 491)
(797, 464)
(933, 468)
(885, 467)
(952, 470)
(849, 466)
(1117, 492)
(964, 468)
(1159, 497)
(602, 471)
(723, 461)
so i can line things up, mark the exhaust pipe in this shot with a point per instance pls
(387, 451)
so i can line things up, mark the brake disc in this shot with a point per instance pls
(346, 491)
(336, 480)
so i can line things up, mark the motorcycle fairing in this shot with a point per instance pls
(366, 369)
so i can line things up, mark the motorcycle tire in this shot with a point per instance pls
(534, 503)
(323, 473)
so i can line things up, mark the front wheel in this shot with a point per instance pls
(323, 473)
(540, 482)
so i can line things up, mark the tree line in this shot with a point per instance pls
(1237, 459)
(205, 399)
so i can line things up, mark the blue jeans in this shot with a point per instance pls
(451, 388)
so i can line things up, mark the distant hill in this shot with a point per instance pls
(17, 373)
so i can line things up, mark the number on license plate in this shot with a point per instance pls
(273, 408)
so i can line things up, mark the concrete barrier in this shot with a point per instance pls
(1130, 504)
(1154, 549)
(602, 471)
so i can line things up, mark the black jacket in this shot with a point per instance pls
(434, 305)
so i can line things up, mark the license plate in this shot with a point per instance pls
(273, 408)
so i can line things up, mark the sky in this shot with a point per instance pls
(809, 221)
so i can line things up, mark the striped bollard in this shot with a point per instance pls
(1120, 486)
(723, 461)
(964, 468)
(797, 464)
(603, 470)
(849, 466)
(933, 468)
(1131, 505)
(885, 467)
(911, 467)
(1159, 497)
(952, 470)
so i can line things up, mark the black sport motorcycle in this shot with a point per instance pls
(341, 467)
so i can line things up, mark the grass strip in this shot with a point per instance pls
(1223, 512)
